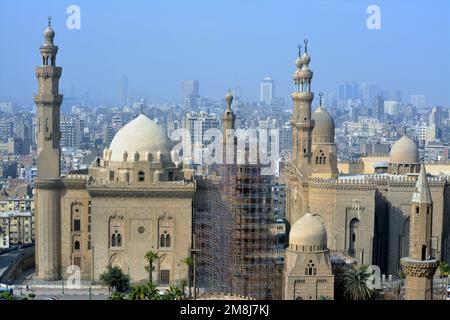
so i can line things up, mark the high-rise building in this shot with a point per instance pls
(123, 90)
(190, 94)
(348, 91)
(369, 93)
(419, 101)
(267, 90)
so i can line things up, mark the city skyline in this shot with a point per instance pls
(173, 52)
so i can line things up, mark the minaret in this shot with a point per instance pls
(420, 267)
(48, 183)
(228, 122)
(302, 124)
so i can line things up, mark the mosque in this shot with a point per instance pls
(365, 216)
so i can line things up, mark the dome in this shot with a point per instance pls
(140, 136)
(305, 59)
(324, 124)
(404, 151)
(49, 33)
(308, 231)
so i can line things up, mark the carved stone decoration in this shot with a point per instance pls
(418, 268)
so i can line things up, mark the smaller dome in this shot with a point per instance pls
(305, 58)
(323, 124)
(298, 62)
(229, 97)
(308, 231)
(49, 33)
(404, 151)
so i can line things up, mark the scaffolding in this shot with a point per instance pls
(233, 219)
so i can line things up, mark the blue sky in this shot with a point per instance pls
(157, 44)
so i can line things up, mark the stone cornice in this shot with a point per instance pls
(48, 184)
(173, 192)
(419, 268)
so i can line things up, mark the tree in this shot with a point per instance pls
(116, 296)
(444, 270)
(189, 261)
(138, 293)
(152, 292)
(354, 285)
(151, 257)
(173, 293)
(7, 296)
(115, 279)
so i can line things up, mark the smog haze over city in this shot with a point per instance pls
(223, 44)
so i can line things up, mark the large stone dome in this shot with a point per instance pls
(404, 151)
(308, 234)
(324, 124)
(142, 136)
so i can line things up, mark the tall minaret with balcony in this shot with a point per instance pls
(302, 124)
(420, 266)
(48, 183)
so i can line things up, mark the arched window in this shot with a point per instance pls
(119, 240)
(113, 240)
(168, 240)
(324, 160)
(424, 252)
(353, 241)
(417, 209)
(77, 246)
(162, 241)
(141, 176)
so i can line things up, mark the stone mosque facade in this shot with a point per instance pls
(365, 216)
(132, 200)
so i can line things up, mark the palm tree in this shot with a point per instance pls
(189, 261)
(173, 293)
(152, 292)
(151, 257)
(115, 279)
(138, 293)
(354, 284)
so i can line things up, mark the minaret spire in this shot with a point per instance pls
(422, 193)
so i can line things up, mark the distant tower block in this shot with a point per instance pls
(420, 267)
(48, 183)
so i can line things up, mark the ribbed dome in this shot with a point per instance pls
(324, 124)
(143, 136)
(308, 231)
(404, 151)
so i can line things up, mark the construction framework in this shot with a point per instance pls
(234, 227)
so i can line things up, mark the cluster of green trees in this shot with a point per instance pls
(119, 283)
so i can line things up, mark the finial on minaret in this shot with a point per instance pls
(49, 21)
(320, 96)
(306, 45)
(299, 50)
(229, 99)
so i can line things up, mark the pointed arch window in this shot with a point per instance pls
(113, 240)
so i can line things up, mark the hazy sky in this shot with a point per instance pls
(157, 44)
